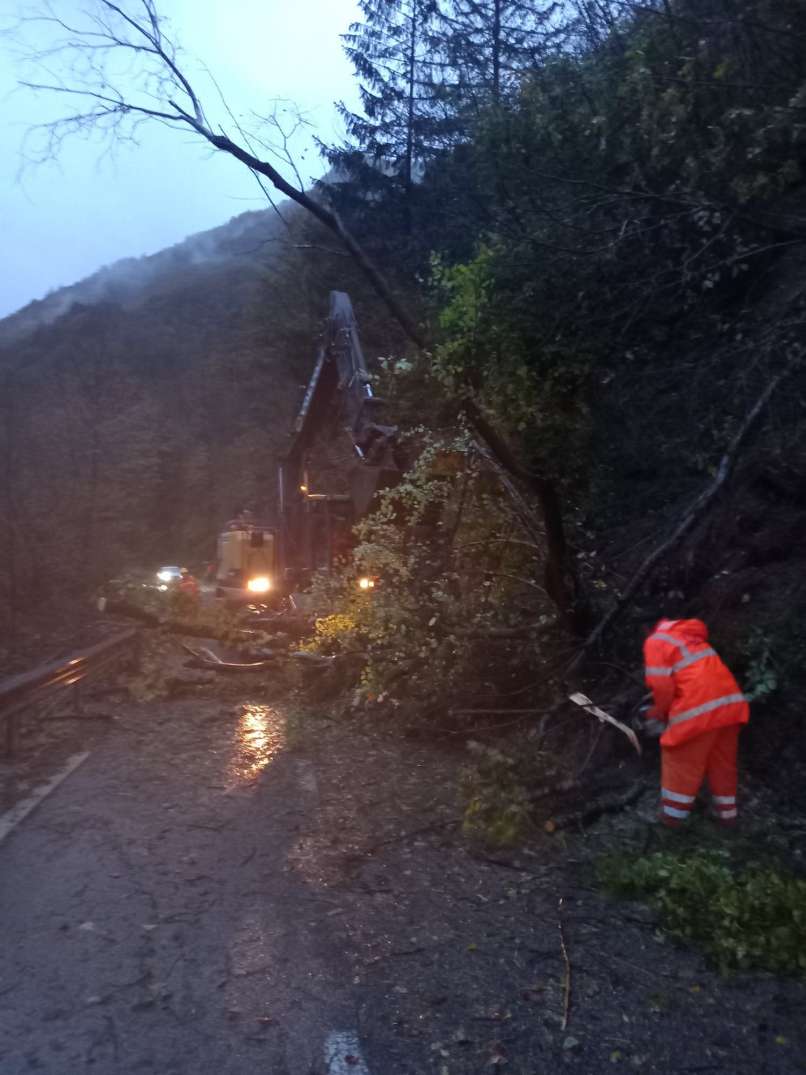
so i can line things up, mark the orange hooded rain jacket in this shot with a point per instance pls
(694, 691)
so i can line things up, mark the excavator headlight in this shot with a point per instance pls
(260, 584)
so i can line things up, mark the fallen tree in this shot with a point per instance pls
(695, 512)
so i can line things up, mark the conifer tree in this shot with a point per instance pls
(488, 44)
(401, 127)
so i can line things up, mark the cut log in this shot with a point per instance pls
(595, 809)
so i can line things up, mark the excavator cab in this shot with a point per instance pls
(247, 565)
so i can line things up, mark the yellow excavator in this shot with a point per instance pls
(265, 564)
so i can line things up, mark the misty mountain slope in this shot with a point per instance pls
(132, 281)
(136, 418)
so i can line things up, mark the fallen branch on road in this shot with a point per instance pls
(206, 659)
(403, 836)
(229, 666)
(492, 712)
(567, 961)
(592, 811)
(320, 660)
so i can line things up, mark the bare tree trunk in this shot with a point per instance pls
(331, 220)
(559, 579)
(497, 52)
(410, 104)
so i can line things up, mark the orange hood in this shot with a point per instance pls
(685, 630)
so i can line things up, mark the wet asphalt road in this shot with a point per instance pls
(158, 917)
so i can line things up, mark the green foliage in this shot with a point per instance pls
(761, 676)
(151, 680)
(450, 567)
(531, 381)
(171, 607)
(769, 653)
(749, 916)
(333, 634)
(496, 804)
(615, 212)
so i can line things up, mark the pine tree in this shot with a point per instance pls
(489, 44)
(402, 124)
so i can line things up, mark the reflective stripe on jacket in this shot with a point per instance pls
(693, 689)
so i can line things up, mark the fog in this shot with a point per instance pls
(64, 219)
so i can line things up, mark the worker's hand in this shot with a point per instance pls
(652, 726)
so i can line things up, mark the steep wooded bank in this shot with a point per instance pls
(612, 237)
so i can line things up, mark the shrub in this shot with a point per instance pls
(496, 805)
(751, 916)
(453, 570)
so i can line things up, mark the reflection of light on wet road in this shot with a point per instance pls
(260, 735)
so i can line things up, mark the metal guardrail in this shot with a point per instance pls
(20, 692)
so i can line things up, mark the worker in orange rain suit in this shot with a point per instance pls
(703, 709)
(188, 584)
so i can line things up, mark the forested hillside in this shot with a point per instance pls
(586, 227)
(141, 407)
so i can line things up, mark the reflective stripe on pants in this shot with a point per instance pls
(684, 768)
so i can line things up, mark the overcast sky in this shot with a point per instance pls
(60, 222)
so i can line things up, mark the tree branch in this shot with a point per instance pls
(699, 507)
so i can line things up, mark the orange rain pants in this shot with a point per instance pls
(685, 766)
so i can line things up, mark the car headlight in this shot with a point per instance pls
(261, 584)
(164, 576)
(366, 583)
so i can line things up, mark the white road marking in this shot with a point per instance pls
(343, 1054)
(18, 813)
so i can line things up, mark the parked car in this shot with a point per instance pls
(168, 575)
